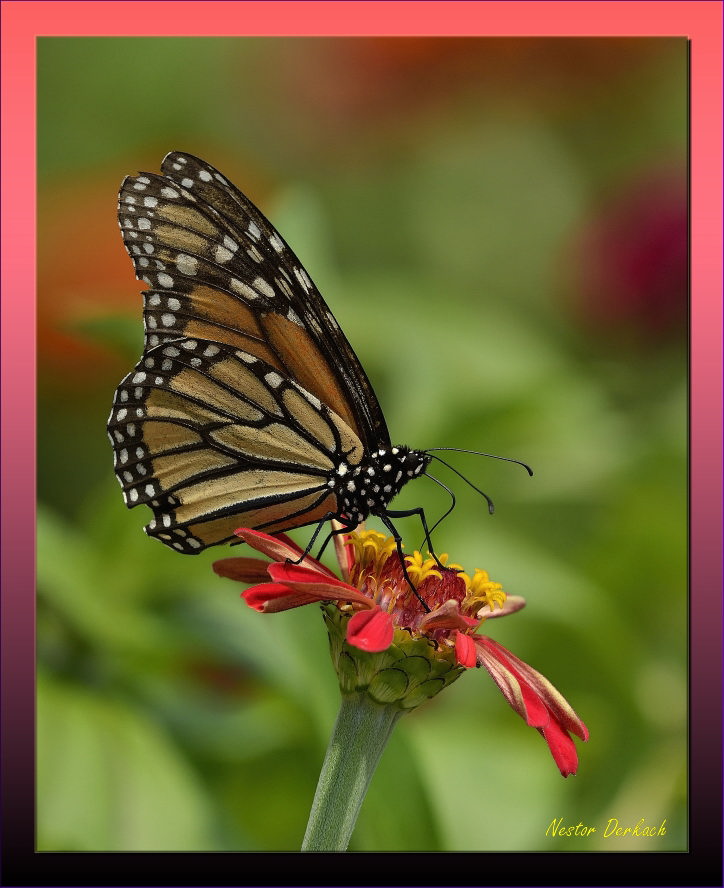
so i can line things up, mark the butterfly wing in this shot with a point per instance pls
(212, 438)
(218, 270)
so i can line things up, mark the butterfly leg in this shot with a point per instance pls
(310, 544)
(346, 528)
(420, 512)
(398, 541)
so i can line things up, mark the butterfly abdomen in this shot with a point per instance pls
(368, 487)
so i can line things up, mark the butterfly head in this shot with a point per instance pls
(368, 487)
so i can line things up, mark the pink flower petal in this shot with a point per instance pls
(370, 630)
(344, 552)
(465, 650)
(512, 604)
(447, 616)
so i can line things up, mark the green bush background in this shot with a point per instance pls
(438, 192)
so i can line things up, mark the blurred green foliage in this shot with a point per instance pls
(436, 192)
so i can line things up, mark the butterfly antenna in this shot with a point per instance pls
(491, 505)
(452, 497)
(479, 453)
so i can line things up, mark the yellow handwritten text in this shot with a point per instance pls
(558, 828)
(613, 830)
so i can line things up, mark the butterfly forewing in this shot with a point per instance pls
(248, 407)
(212, 437)
(220, 271)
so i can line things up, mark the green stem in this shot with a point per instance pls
(360, 733)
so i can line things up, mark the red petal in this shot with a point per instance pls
(243, 570)
(465, 650)
(555, 702)
(270, 598)
(280, 548)
(536, 700)
(512, 686)
(323, 587)
(562, 748)
(370, 630)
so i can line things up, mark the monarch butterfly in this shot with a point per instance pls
(248, 406)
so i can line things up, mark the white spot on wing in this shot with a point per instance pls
(187, 264)
(264, 287)
(243, 289)
(303, 279)
(222, 254)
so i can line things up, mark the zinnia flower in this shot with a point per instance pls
(383, 642)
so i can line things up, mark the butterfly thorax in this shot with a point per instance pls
(368, 487)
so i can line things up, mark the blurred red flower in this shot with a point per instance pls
(630, 277)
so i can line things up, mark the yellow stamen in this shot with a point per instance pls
(443, 560)
(372, 549)
(419, 570)
(481, 591)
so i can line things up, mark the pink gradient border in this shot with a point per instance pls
(23, 21)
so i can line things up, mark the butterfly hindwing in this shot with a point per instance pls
(219, 270)
(213, 438)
